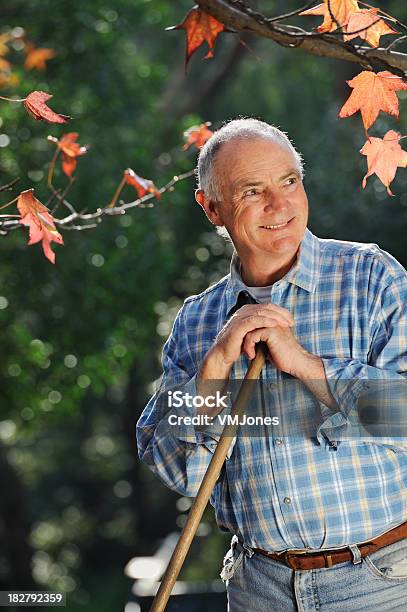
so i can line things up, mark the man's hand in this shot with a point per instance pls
(271, 324)
(289, 356)
(285, 352)
(229, 342)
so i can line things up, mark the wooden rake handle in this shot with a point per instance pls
(208, 483)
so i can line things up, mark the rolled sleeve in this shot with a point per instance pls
(350, 380)
(178, 453)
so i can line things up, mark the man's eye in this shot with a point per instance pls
(291, 181)
(251, 192)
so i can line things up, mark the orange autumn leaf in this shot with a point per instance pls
(199, 27)
(375, 27)
(36, 57)
(40, 221)
(334, 13)
(70, 151)
(35, 104)
(384, 156)
(371, 94)
(197, 135)
(141, 185)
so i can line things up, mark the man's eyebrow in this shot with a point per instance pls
(290, 173)
(247, 183)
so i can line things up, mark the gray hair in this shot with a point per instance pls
(247, 128)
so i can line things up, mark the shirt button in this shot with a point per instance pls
(278, 441)
(287, 500)
(272, 386)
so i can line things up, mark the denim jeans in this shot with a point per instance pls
(255, 583)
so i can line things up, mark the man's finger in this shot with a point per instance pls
(251, 340)
(264, 310)
(256, 321)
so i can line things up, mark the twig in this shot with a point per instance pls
(395, 42)
(9, 186)
(51, 166)
(117, 193)
(8, 203)
(333, 16)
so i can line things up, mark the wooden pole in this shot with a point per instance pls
(208, 483)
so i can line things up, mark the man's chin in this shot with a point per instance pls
(284, 245)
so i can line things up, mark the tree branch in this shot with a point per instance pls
(236, 15)
(68, 222)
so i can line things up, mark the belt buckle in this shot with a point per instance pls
(290, 553)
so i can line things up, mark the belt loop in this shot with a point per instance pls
(249, 551)
(357, 557)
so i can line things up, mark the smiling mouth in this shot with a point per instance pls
(275, 227)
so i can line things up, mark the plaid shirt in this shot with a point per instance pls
(322, 490)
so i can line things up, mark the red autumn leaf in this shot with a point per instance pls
(142, 185)
(199, 26)
(371, 94)
(35, 105)
(339, 9)
(40, 221)
(384, 156)
(197, 135)
(70, 151)
(375, 27)
(36, 57)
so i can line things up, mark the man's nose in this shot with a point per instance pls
(274, 200)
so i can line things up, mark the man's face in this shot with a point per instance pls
(261, 188)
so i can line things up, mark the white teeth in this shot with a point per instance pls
(275, 226)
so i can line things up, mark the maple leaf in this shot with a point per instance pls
(197, 135)
(384, 156)
(36, 57)
(375, 27)
(40, 221)
(141, 185)
(35, 105)
(339, 9)
(70, 151)
(199, 26)
(371, 94)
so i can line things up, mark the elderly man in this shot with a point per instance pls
(318, 520)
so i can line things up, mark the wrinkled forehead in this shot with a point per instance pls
(259, 157)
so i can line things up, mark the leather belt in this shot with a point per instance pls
(304, 560)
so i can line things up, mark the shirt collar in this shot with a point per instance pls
(303, 274)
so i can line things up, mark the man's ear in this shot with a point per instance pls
(210, 207)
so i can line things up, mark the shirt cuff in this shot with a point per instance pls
(186, 430)
(346, 381)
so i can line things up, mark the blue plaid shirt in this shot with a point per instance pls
(324, 490)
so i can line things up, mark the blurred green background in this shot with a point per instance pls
(81, 341)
